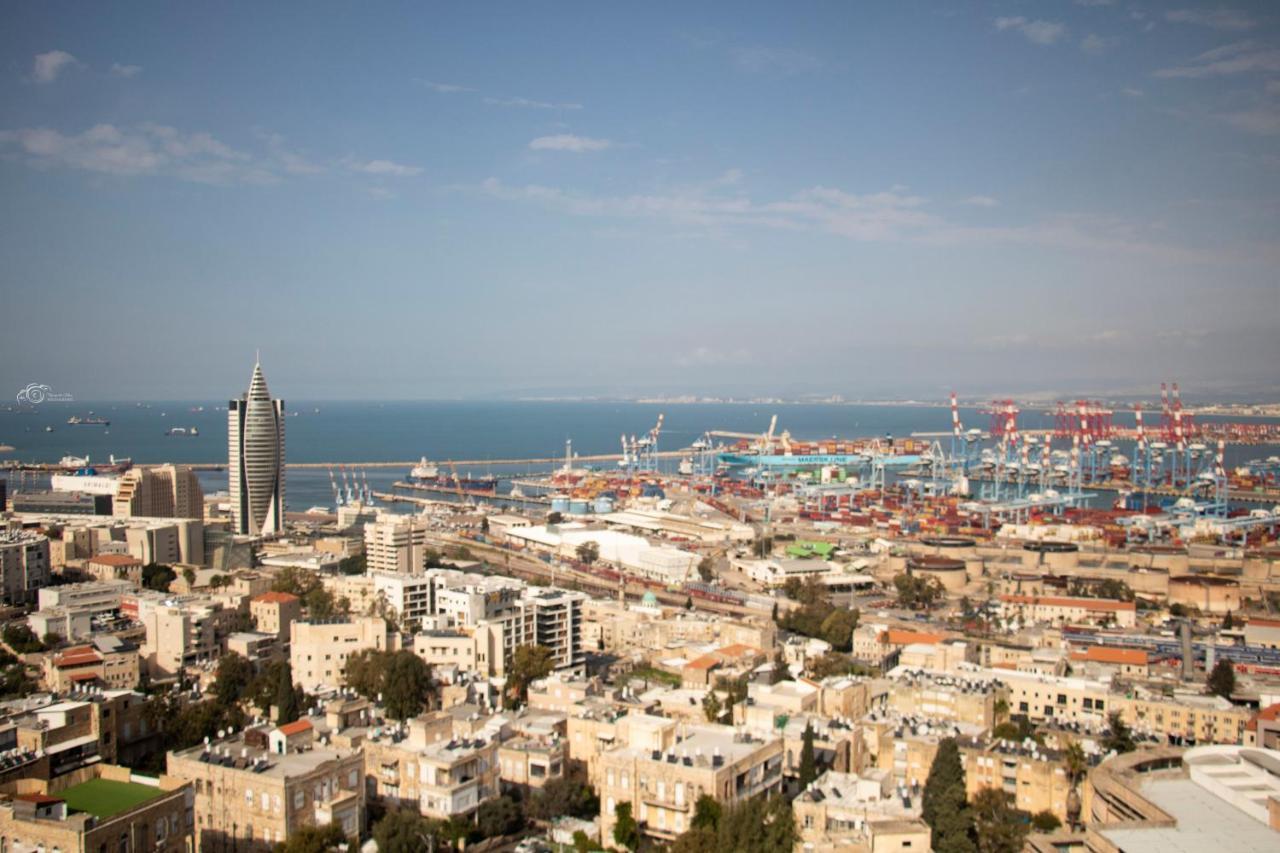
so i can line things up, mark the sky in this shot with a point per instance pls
(408, 201)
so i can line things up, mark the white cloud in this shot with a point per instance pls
(48, 66)
(288, 159)
(1240, 57)
(144, 150)
(380, 193)
(1094, 43)
(569, 142)
(981, 201)
(893, 215)
(531, 104)
(1263, 119)
(1218, 19)
(383, 168)
(1132, 92)
(773, 60)
(1088, 3)
(1037, 32)
(125, 70)
(445, 88)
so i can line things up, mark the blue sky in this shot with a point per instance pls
(409, 201)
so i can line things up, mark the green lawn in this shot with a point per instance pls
(104, 798)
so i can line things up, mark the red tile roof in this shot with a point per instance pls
(77, 656)
(295, 728)
(38, 799)
(899, 637)
(276, 598)
(115, 560)
(704, 662)
(1112, 655)
(1062, 601)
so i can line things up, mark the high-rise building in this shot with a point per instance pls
(396, 544)
(255, 459)
(166, 491)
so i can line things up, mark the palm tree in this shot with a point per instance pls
(1077, 764)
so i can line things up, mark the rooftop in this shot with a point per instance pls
(104, 798)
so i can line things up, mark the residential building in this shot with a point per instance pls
(24, 566)
(181, 631)
(396, 543)
(255, 460)
(111, 567)
(662, 772)
(273, 613)
(163, 491)
(105, 663)
(456, 776)
(255, 788)
(859, 813)
(319, 649)
(113, 810)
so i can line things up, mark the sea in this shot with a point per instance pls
(351, 434)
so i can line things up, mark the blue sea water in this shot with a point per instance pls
(363, 432)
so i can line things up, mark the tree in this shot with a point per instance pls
(707, 569)
(808, 760)
(313, 839)
(837, 629)
(1045, 821)
(287, 704)
(706, 813)
(554, 518)
(944, 805)
(22, 639)
(295, 580)
(712, 707)
(528, 664)
(232, 678)
(1222, 680)
(588, 552)
(406, 831)
(781, 672)
(158, 577)
(500, 816)
(1118, 737)
(1228, 621)
(835, 663)
(408, 686)
(1077, 763)
(999, 826)
(626, 832)
(916, 592)
(562, 796)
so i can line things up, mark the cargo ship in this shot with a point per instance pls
(429, 474)
(76, 420)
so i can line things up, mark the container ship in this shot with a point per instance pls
(75, 420)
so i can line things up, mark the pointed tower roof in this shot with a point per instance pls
(258, 385)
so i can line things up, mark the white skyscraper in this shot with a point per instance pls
(255, 459)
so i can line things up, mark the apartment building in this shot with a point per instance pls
(111, 567)
(318, 650)
(181, 631)
(24, 566)
(162, 491)
(456, 776)
(945, 696)
(396, 544)
(275, 612)
(153, 816)
(255, 788)
(1036, 778)
(859, 813)
(107, 663)
(664, 767)
(531, 762)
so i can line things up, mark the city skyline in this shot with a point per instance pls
(885, 201)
